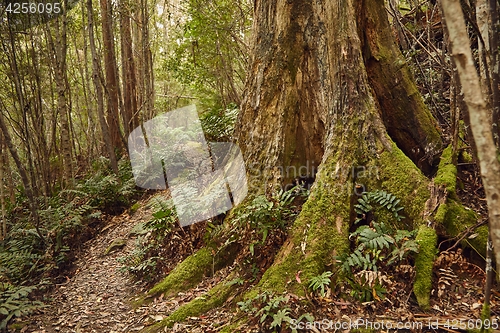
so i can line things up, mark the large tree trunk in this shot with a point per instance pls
(316, 105)
(301, 85)
(321, 88)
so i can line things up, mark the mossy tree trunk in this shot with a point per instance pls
(315, 68)
(325, 88)
(331, 98)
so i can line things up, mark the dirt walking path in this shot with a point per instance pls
(97, 297)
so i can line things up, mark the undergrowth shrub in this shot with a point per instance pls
(138, 263)
(106, 190)
(15, 302)
(376, 247)
(258, 228)
(27, 257)
(142, 261)
(274, 312)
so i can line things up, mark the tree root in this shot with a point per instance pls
(214, 298)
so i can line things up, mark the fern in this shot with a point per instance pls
(385, 200)
(377, 246)
(376, 238)
(14, 302)
(320, 282)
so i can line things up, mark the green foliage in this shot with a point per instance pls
(272, 311)
(320, 282)
(218, 125)
(376, 247)
(261, 217)
(378, 244)
(208, 51)
(163, 221)
(19, 260)
(14, 302)
(104, 188)
(382, 198)
(137, 261)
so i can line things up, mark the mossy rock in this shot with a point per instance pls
(115, 245)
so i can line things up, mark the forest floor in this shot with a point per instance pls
(98, 296)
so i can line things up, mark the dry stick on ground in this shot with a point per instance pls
(479, 114)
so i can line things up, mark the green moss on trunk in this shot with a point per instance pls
(185, 275)
(427, 240)
(452, 218)
(447, 172)
(321, 230)
(455, 219)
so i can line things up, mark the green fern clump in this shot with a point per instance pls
(105, 188)
(386, 200)
(263, 216)
(137, 262)
(273, 311)
(320, 282)
(15, 302)
(377, 246)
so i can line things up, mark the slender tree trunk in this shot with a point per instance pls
(99, 90)
(23, 105)
(24, 177)
(145, 65)
(3, 232)
(111, 73)
(86, 79)
(479, 114)
(495, 71)
(129, 112)
(59, 49)
(10, 181)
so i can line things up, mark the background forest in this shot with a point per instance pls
(75, 86)
(72, 89)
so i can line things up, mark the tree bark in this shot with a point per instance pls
(59, 49)
(111, 73)
(3, 230)
(479, 114)
(99, 91)
(311, 100)
(495, 71)
(129, 112)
